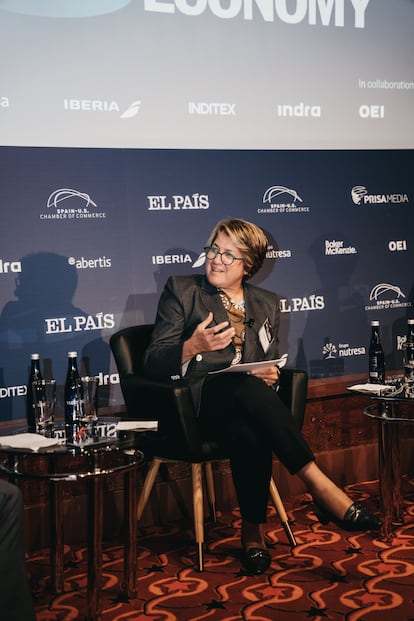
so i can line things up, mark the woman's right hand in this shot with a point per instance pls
(208, 339)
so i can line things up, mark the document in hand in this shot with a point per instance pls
(252, 366)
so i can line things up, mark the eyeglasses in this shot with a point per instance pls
(227, 257)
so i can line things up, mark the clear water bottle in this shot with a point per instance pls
(73, 399)
(34, 375)
(376, 373)
(408, 360)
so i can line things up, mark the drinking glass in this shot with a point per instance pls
(408, 364)
(88, 415)
(90, 399)
(44, 402)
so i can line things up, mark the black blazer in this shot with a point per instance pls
(184, 303)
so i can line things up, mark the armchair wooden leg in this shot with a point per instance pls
(198, 512)
(148, 485)
(211, 495)
(277, 501)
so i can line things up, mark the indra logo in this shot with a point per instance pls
(102, 106)
(385, 296)
(7, 267)
(360, 196)
(77, 205)
(281, 199)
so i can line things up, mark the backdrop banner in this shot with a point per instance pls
(89, 237)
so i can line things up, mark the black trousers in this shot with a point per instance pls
(248, 419)
(15, 597)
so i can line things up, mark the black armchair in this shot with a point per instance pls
(178, 437)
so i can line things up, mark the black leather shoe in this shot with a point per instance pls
(356, 518)
(256, 560)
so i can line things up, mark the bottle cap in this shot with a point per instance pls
(35, 356)
(72, 354)
(374, 323)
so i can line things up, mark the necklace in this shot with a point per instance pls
(236, 313)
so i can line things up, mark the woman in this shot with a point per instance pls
(206, 323)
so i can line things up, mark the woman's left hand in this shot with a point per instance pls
(270, 375)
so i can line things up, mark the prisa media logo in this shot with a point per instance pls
(360, 196)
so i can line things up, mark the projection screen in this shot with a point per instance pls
(261, 74)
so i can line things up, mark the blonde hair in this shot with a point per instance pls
(248, 238)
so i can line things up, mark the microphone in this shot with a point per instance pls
(249, 323)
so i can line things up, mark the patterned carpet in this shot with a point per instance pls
(330, 575)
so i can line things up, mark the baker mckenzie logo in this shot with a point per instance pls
(280, 199)
(335, 247)
(385, 296)
(360, 196)
(102, 106)
(70, 204)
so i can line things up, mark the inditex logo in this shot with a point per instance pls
(211, 109)
(384, 296)
(161, 202)
(287, 201)
(360, 195)
(76, 206)
(102, 106)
